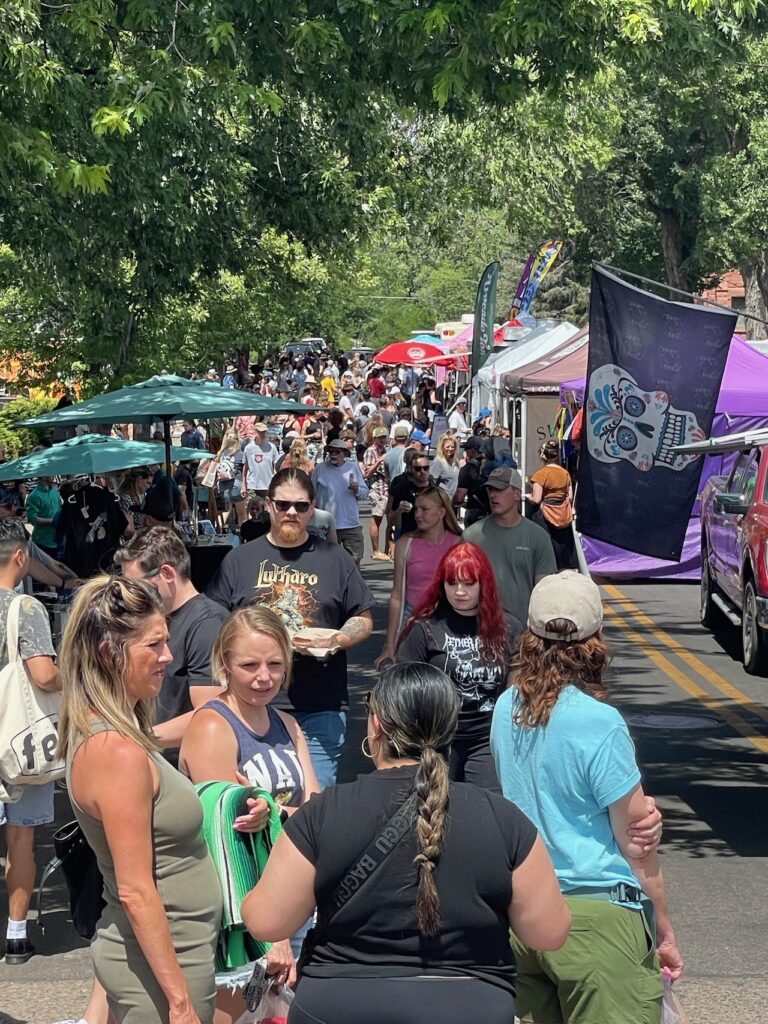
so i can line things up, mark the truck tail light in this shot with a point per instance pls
(762, 570)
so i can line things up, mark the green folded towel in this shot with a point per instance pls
(240, 858)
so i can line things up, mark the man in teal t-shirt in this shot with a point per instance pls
(43, 504)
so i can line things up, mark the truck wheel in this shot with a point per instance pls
(711, 616)
(754, 649)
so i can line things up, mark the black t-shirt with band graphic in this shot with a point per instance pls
(450, 642)
(316, 584)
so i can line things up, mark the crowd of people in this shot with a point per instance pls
(505, 792)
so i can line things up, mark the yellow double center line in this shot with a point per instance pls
(714, 704)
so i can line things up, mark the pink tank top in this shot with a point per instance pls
(423, 559)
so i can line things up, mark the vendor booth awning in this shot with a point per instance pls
(546, 337)
(545, 374)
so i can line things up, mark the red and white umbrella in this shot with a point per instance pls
(409, 353)
(451, 360)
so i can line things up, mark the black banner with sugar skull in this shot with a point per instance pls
(653, 378)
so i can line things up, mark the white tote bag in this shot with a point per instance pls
(29, 720)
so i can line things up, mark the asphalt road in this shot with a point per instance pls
(701, 729)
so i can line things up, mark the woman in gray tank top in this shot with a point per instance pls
(153, 951)
(239, 737)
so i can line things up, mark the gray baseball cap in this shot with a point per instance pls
(504, 477)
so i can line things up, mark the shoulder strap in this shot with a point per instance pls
(12, 627)
(371, 858)
(359, 873)
(403, 585)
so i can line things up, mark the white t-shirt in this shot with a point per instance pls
(261, 459)
(345, 404)
(458, 425)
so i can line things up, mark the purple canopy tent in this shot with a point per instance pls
(742, 405)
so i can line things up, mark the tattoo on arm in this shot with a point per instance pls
(358, 628)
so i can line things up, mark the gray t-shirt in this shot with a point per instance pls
(321, 523)
(518, 555)
(393, 462)
(34, 628)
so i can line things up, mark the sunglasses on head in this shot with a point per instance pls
(284, 506)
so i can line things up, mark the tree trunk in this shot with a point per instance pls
(124, 349)
(754, 296)
(673, 249)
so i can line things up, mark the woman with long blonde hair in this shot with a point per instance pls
(297, 457)
(445, 466)
(240, 737)
(225, 473)
(374, 420)
(142, 818)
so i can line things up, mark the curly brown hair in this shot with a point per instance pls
(548, 666)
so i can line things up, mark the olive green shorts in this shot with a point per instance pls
(606, 973)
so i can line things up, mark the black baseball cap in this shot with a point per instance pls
(473, 444)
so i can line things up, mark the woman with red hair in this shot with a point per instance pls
(460, 627)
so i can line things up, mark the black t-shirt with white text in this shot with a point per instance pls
(375, 934)
(315, 584)
(450, 642)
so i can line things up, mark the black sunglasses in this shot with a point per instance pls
(421, 469)
(367, 701)
(284, 506)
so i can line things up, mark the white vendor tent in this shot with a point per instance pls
(488, 388)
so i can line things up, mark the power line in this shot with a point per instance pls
(679, 291)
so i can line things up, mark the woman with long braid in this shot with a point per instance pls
(417, 879)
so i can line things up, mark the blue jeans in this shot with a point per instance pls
(34, 808)
(325, 732)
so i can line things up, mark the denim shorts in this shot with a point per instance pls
(34, 808)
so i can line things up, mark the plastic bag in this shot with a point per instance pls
(672, 1011)
(273, 1008)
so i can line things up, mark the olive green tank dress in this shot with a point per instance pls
(189, 888)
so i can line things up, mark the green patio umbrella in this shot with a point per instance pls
(165, 397)
(92, 454)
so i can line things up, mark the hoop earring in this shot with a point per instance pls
(368, 753)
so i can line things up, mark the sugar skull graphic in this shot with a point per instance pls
(627, 423)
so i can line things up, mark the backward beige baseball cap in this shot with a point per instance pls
(566, 595)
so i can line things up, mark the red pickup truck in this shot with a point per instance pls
(734, 549)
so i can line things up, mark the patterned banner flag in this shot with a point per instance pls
(653, 378)
(485, 310)
(539, 264)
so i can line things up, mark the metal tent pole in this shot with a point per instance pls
(167, 440)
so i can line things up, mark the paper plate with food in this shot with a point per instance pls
(316, 641)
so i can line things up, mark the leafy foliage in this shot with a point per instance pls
(181, 178)
(19, 441)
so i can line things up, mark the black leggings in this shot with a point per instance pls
(472, 761)
(400, 1001)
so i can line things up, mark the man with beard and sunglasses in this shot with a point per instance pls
(309, 583)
